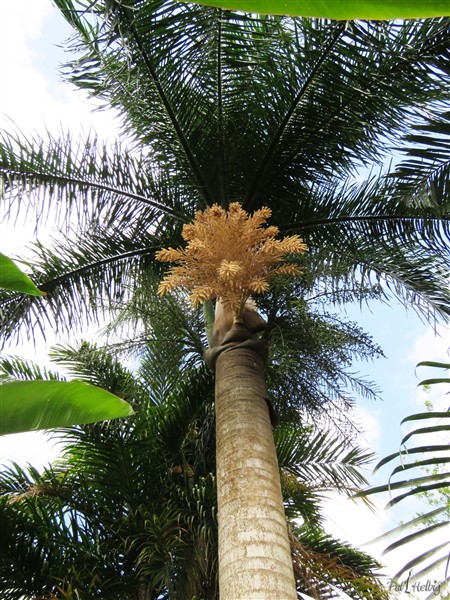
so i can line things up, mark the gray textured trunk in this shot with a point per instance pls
(254, 551)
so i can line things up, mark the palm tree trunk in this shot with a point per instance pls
(254, 552)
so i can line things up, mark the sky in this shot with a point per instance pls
(33, 97)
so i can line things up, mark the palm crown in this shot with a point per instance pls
(227, 107)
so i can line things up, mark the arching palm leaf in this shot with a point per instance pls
(305, 338)
(82, 278)
(319, 459)
(426, 171)
(328, 568)
(86, 179)
(423, 471)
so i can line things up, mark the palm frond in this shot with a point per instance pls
(146, 82)
(95, 365)
(107, 523)
(320, 459)
(304, 338)
(126, 526)
(147, 318)
(431, 482)
(81, 280)
(252, 106)
(301, 500)
(273, 110)
(325, 567)
(187, 402)
(15, 368)
(425, 172)
(62, 179)
(352, 101)
(411, 240)
(38, 542)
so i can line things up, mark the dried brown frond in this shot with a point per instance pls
(315, 569)
(37, 489)
(229, 255)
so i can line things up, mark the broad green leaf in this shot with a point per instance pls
(12, 278)
(31, 405)
(340, 9)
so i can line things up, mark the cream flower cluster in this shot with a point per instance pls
(229, 255)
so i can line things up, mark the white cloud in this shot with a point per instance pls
(23, 92)
(353, 521)
(368, 424)
(432, 345)
(35, 447)
(27, 96)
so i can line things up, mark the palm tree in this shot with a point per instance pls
(225, 107)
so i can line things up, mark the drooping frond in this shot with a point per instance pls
(96, 365)
(304, 338)
(66, 180)
(82, 278)
(325, 566)
(320, 460)
(422, 472)
(425, 172)
(127, 526)
(374, 234)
